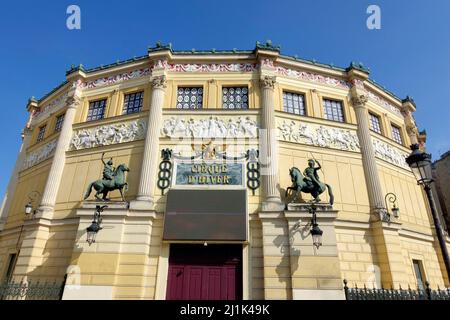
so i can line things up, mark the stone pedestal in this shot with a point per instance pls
(122, 263)
(293, 267)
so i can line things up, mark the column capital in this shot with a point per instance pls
(73, 101)
(359, 97)
(159, 82)
(268, 82)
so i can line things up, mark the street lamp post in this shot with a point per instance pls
(420, 164)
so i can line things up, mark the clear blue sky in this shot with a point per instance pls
(409, 55)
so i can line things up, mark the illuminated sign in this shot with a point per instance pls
(209, 174)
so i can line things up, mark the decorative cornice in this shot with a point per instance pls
(159, 82)
(51, 105)
(118, 78)
(313, 77)
(212, 67)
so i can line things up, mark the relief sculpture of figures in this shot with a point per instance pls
(309, 182)
(113, 179)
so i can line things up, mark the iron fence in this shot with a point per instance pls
(395, 294)
(32, 290)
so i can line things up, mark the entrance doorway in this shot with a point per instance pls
(198, 272)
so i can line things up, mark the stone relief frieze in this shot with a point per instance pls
(389, 153)
(212, 127)
(317, 135)
(108, 135)
(39, 155)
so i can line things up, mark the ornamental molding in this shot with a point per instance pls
(51, 105)
(212, 67)
(39, 155)
(212, 127)
(118, 78)
(390, 153)
(108, 135)
(313, 77)
(382, 102)
(318, 135)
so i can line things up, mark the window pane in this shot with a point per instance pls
(420, 278)
(41, 133)
(190, 98)
(294, 103)
(396, 135)
(235, 98)
(333, 110)
(374, 122)
(59, 123)
(133, 102)
(96, 110)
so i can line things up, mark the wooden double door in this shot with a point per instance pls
(198, 272)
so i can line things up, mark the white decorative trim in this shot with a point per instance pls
(39, 155)
(85, 292)
(389, 153)
(134, 74)
(317, 135)
(313, 77)
(212, 127)
(108, 134)
(318, 294)
(380, 101)
(213, 67)
(51, 105)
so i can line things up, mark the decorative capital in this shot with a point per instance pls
(268, 82)
(159, 82)
(73, 101)
(360, 100)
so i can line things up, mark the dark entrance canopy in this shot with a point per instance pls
(206, 215)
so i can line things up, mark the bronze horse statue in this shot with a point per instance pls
(300, 184)
(103, 186)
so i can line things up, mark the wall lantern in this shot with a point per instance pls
(395, 211)
(95, 226)
(420, 164)
(29, 207)
(316, 232)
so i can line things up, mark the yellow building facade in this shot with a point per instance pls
(289, 110)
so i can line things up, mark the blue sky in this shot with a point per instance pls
(410, 55)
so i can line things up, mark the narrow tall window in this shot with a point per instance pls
(41, 133)
(294, 103)
(190, 98)
(133, 102)
(374, 123)
(333, 110)
(396, 135)
(59, 123)
(96, 110)
(419, 273)
(11, 266)
(235, 98)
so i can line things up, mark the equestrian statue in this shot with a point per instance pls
(308, 182)
(113, 179)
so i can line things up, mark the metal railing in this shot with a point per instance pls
(32, 290)
(395, 294)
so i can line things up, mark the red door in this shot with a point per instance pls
(197, 272)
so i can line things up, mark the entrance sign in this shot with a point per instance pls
(209, 174)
